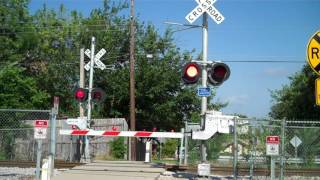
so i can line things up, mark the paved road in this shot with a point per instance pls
(114, 170)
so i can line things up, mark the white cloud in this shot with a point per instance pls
(238, 100)
(276, 71)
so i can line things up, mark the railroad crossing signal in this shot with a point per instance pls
(218, 72)
(97, 61)
(97, 95)
(313, 52)
(205, 6)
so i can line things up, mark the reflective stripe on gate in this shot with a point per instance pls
(90, 132)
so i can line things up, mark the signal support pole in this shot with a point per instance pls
(204, 81)
(87, 151)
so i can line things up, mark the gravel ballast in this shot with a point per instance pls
(15, 173)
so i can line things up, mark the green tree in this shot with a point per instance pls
(296, 100)
(45, 47)
(13, 19)
(18, 91)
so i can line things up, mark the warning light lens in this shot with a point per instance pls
(191, 73)
(98, 95)
(218, 74)
(81, 94)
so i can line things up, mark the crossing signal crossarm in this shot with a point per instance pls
(97, 95)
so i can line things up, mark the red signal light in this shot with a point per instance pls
(98, 95)
(191, 73)
(81, 94)
(218, 73)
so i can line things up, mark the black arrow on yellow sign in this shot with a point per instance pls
(317, 38)
(313, 52)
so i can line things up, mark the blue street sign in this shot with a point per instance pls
(204, 92)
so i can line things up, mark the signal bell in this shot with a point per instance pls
(218, 73)
(191, 73)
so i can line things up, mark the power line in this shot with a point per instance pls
(44, 25)
(87, 30)
(267, 61)
(126, 55)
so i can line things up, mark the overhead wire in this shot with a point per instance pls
(265, 61)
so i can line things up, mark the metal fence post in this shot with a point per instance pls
(181, 153)
(272, 168)
(52, 153)
(283, 126)
(53, 132)
(39, 151)
(186, 145)
(235, 149)
(253, 150)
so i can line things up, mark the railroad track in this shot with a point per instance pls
(218, 170)
(28, 164)
(244, 171)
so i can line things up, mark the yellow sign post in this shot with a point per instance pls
(317, 91)
(313, 53)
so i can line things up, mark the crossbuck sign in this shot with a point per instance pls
(205, 6)
(97, 61)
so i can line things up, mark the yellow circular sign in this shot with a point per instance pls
(313, 52)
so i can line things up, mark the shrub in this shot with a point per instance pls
(118, 148)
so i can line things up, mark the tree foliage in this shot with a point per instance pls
(296, 100)
(39, 56)
(18, 91)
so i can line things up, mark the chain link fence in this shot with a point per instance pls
(17, 134)
(301, 145)
(251, 146)
(243, 150)
(71, 148)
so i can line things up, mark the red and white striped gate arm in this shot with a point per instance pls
(90, 132)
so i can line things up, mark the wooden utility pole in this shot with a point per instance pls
(132, 82)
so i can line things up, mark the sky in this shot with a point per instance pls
(253, 30)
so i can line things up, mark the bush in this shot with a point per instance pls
(169, 148)
(118, 148)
